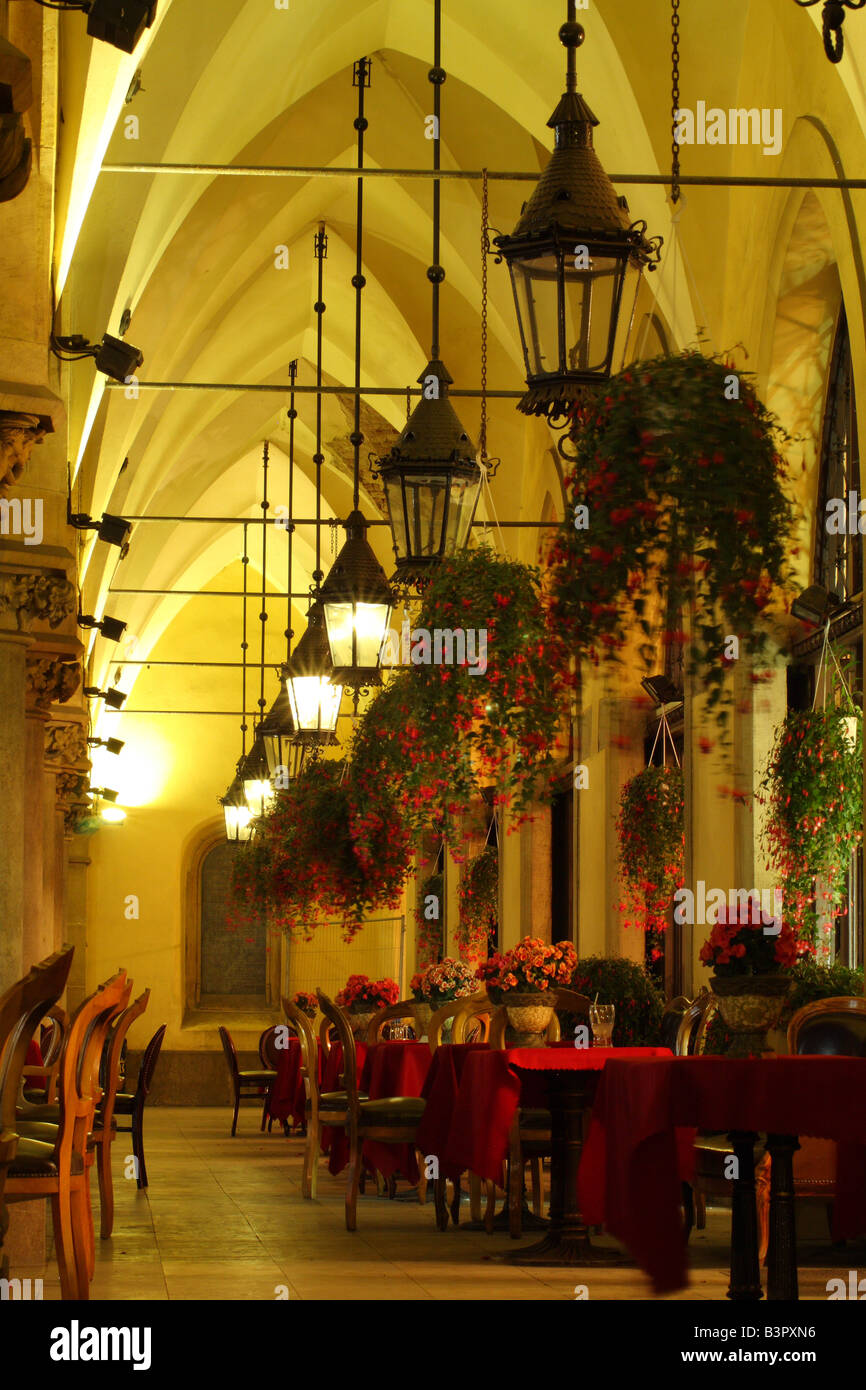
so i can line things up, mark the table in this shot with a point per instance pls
(492, 1087)
(628, 1177)
(288, 1095)
(384, 1069)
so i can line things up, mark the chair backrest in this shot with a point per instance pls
(230, 1051)
(671, 1020)
(21, 1008)
(472, 1007)
(326, 1028)
(52, 1044)
(80, 1091)
(269, 1053)
(499, 1024)
(694, 1023)
(113, 1048)
(309, 1053)
(347, 1038)
(148, 1064)
(834, 1027)
(382, 1018)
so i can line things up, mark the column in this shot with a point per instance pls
(13, 647)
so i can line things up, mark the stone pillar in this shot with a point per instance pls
(13, 647)
(34, 938)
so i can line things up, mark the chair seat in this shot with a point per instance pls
(37, 1129)
(49, 1113)
(393, 1110)
(336, 1100)
(256, 1078)
(36, 1160)
(124, 1102)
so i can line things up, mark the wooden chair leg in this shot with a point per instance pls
(455, 1202)
(515, 1194)
(422, 1178)
(490, 1208)
(700, 1211)
(237, 1107)
(311, 1166)
(80, 1211)
(89, 1231)
(106, 1189)
(138, 1147)
(688, 1210)
(61, 1212)
(762, 1202)
(536, 1170)
(264, 1113)
(353, 1179)
(474, 1197)
(440, 1201)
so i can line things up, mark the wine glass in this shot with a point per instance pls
(601, 1017)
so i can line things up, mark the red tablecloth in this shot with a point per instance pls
(494, 1084)
(440, 1092)
(34, 1059)
(628, 1176)
(288, 1097)
(385, 1069)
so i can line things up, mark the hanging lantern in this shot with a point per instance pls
(283, 753)
(256, 778)
(238, 816)
(575, 259)
(432, 481)
(314, 699)
(357, 603)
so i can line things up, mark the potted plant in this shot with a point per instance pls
(752, 961)
(638, 1000)
(439, 984)
(306, 1002)
(651, 832)
(478, 900)
(439, 729)
(676, 505)
(813, 788)
(429, 917)
(362, 997)
(527, 978)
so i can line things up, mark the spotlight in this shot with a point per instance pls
(105, 792)
(113, 814)
(112, 697)
(113, 745)
(816, 605)
(662, 690)
(112, 628)
(120, 22)
(112, 356)
(113, 529)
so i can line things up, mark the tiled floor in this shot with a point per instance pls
(224, 1219)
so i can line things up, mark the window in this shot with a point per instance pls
(839, 558)
(233, 957)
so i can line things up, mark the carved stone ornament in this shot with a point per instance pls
(66, 746)
(46, 596)
(70, 789)
(19, 434)
(51, 681)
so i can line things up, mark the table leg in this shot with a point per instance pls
(782, 1251)
(745, 1285)
(567, 1241)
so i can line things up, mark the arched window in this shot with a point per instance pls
(839, 558)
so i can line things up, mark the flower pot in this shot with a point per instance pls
(750, 1005)
(359, 1021)
(423, 1013)
(529, 1016)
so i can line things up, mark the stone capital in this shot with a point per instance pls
(51, 679)
(35, 596)
(71, 798)
(20, 432)
(66, 748)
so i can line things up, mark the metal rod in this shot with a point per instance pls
(303, 171)
(321, 249)
(246, 565)
(263, 612)
(231, 665)
(207, 593)
(293, 373)
(436, 78)
(254, 521)
(304, 390)
(571, 70)
(220, 713)
(361, 70)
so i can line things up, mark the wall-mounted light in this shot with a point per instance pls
(105, 792)
(113, 529)
(113, 357)
(112, 745)
(111, 696)
(111, 628)
(816, 605)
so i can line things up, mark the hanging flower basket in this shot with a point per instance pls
(676, 504)
(334, 845)
(439, 730)
(478, 901)
(813, 789)
(651, 832)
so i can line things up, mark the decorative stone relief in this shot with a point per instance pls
(71, 798)
(51, 681)
(46, 596)
(19, 434)
(66, 746)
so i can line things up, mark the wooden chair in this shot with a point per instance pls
(472, 1016)
(57, 1168)
(132, 1103)
(694, 1021)
(834, 1027)
(105, 1128)
(326, 1032)
(269, 1056)
(244, 1084)
(21, 1007)
(383, 1017)
(55, 1024)
(302, 1026)
(671, 1020)
(391, 1121)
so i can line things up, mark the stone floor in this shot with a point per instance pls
(224, 1219)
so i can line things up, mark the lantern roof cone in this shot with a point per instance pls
(356, 575)
(434, 432)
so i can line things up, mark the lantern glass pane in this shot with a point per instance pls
(396, 515)
(238, 822)
(536, 291)
(259, 795)
(273, 744)
(464, 500)
(426, 502)
(591, 302)
(315, 703)
(356, 632)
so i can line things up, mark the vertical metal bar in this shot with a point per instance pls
(293, 372)
(263, 613)
(362, 72)
(436, 78)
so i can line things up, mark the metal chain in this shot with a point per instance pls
(485, 251)
(675, 99)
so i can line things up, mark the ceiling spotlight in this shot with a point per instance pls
(112, 356)
(105, 792)
(816, 605)
(112, 628)
(112, 697)
(113, 529)
(119, 22)
(113, 745)
(662, 690)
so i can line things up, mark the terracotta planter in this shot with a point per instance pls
(528, 1016)
(750, 1005)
